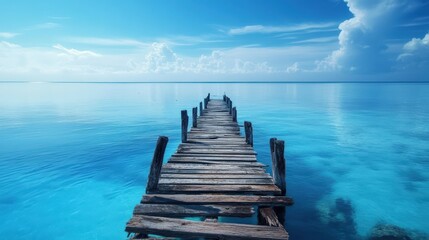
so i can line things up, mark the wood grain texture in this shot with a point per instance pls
(186, 228)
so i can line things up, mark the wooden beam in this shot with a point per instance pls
(185, 118)
(180, 210)
(194, 117)
(279, 164)
(248, 130)
(185, 228)
(155, 168)
(218, 199)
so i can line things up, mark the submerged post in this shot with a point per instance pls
(194, 116)
(248, 130)
(155, 168)
(234, 114)
(185, 118)
(277, 148)
(201, 109)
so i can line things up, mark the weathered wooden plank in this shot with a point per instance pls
(186, 228)
(216, 141)
(245, 156)
(267, 216)
(233, 189)
(240, 163)
(217, 176)
(212, 171)
(209, 146)
(217, 151)
(207, 166)
(196, 181)
(218, 199)
(180, 210)
(214, 158)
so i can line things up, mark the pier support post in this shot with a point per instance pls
(194, 116)
(155, 168)
(185, 119)
(224, 97)
(230, 107)
(248, 130)
(201, 109)
(234, 114)
(208, 97)
(277, 148)
(205, 103)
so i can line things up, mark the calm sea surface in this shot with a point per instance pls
(74, 158)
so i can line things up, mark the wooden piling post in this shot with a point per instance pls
(201, 108)
(208, 97)
(185, 119)
(194, 116)
(205, 103)
(234, 114)
(224, 97)
(279, 164)
(230, 107)
(248, 130)
(155, 168)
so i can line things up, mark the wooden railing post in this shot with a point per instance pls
(205, 103)
(224, 97)
(279, 164)
(230, 107)
(208, 97)
(194, 116)
(201, 109)
(155, 167)
(248, 130)
(234, 114)
(185, 119)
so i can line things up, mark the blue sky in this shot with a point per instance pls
(131, 40)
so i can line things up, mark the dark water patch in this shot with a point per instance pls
(400, 148)
(340, 216)
(9, 200)
(385, 231)
(420, 135)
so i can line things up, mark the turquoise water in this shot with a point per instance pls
(74, 157)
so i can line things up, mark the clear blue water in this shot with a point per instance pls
(74, 157)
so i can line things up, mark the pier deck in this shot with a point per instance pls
(214, 173)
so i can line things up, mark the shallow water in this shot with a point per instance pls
(74, 157)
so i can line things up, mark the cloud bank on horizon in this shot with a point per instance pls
(385, 40)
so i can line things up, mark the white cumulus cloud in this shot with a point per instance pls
(363, 37)
(415, 52)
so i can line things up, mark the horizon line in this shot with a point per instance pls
(223, 82)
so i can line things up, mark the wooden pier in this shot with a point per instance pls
(214, 173)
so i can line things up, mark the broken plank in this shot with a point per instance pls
(185, 228)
